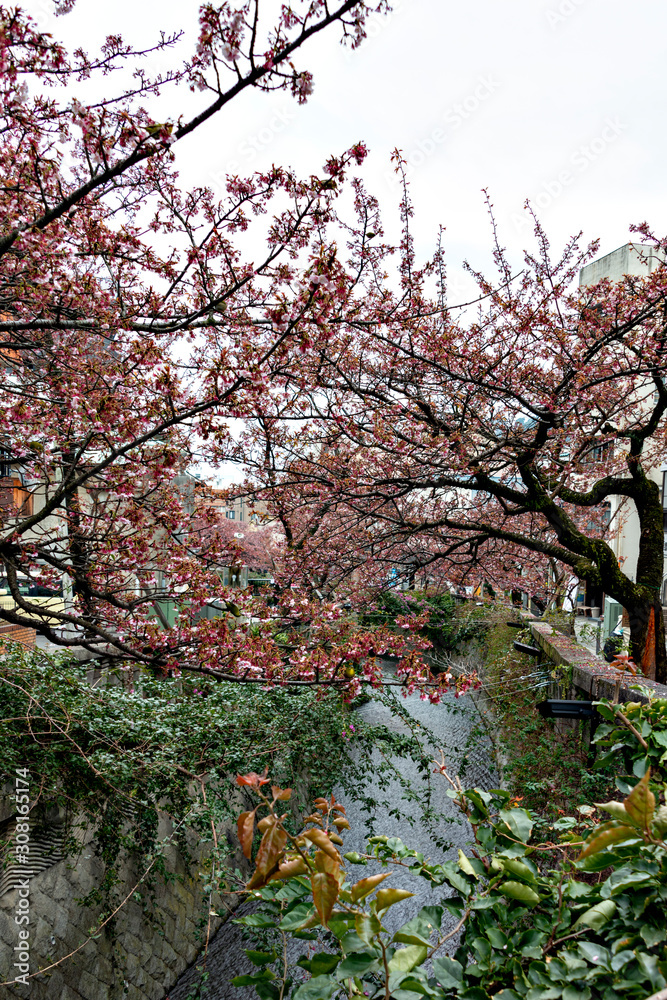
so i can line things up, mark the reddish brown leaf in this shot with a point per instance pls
(387, 897)
(246, 827)
(603, 836)
(341, 823)
(252, 779)
(289, 869)
(313, 818)
(365, 886)
(325, 863)
(325, 893)
(640, 803)
(268, 855)
(321, 840)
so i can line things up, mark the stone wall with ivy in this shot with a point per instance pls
(138, 955)
(109, 759)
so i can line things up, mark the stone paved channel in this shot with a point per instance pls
(455, 724)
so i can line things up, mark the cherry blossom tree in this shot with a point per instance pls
(132, 329)
(486, 440)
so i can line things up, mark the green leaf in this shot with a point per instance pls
(574, 890)
(623, 877)
(478, 800)
(411, 985)
(448, 972)
(640, 803)
(317, 988)
(259, 977)
(520, 892)
(576, 993)
(497, 938)
(255, 920)
(615, 809)
(597, 916)
(649, 965)
(351, 942)
(518, 868)
(296, 918)
(653, 935)
(420, 928)
(339, 923)
(355, 964)
(260, 957)
(355, 858)
(322, 963)
(406, 959)
(387, 897)
(367, 926)
(660, 821)
(594, 953)
(267, 991)
(454, 877)
(519, 822)
(465, 865)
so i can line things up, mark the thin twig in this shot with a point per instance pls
(451, 933)
(626, 722)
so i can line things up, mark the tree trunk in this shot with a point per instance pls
(647, 629)
(647, 639)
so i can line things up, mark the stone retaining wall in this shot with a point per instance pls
(139, 959)
(587, 674)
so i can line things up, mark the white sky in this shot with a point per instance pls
(559, 101)
(545, 86)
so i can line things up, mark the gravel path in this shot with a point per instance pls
(454, 725)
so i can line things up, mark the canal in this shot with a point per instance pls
(456, 729)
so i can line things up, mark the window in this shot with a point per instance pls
(599, 453)
(231, 515)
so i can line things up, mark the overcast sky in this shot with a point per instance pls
(559, 101)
